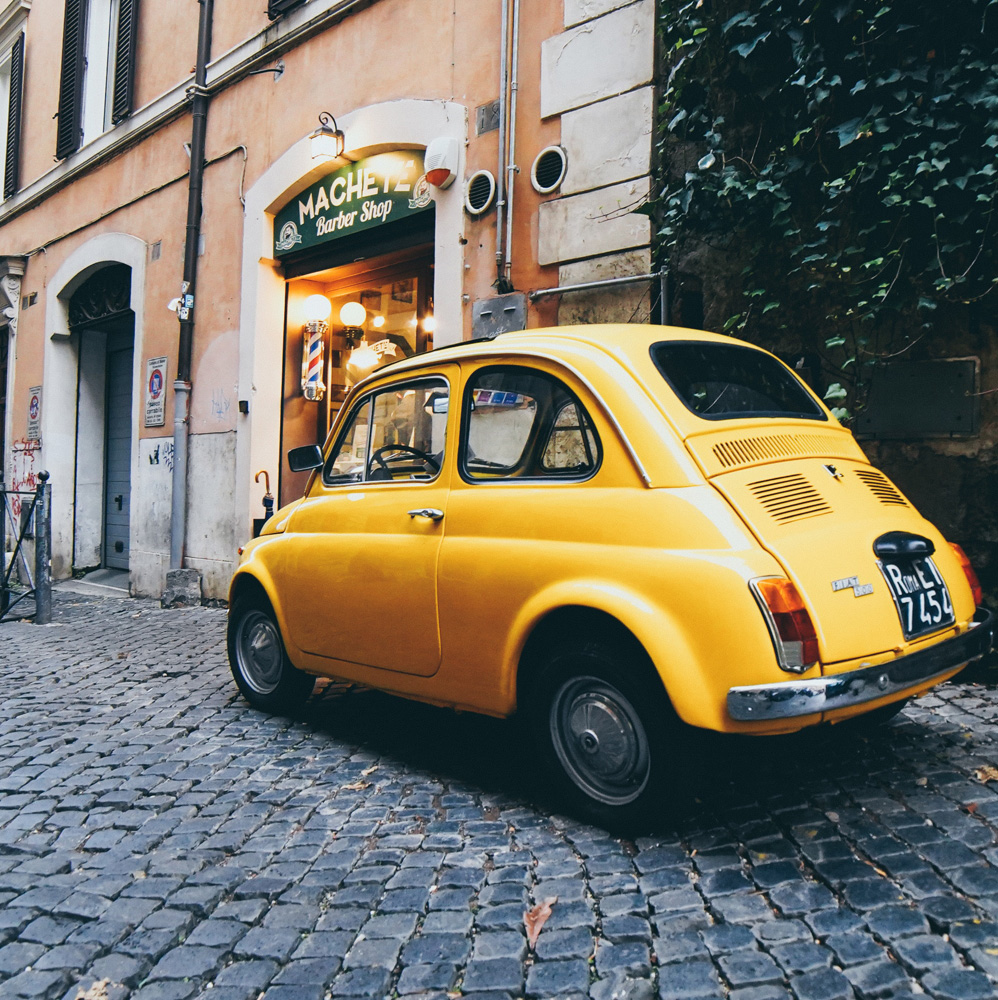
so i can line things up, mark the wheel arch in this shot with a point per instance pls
(619, 615)
(250, 579)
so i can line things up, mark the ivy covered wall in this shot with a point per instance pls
(827, 188)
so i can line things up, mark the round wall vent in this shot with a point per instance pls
(480, 192)
(549, 169)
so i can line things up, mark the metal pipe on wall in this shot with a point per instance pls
(511, 168)
(501, 172)
(200, 99)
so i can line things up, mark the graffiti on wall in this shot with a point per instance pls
(23, 471)
(162, 454)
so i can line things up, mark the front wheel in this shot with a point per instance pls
(605, 730)
(259, 661)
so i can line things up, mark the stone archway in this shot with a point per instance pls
(62, 374)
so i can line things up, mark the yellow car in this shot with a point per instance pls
(604, 528)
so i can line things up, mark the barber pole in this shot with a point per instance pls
(312, 386)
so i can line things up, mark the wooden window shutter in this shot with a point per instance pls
(124, 60)
(275, 8)
(71, 86)
(12, 155)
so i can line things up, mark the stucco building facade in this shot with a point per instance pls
(488, 146)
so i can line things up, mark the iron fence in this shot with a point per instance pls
(27, 514)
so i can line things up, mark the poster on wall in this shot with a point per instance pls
(155, 392)
(35, 413)
(376, 191)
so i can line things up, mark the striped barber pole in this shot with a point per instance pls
(312, 385)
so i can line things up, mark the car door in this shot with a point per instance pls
(364, 543)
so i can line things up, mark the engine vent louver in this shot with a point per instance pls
(789, 498)
(770, 447)
(882, 488)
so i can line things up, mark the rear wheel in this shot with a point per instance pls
(604, 729)
(259, 661)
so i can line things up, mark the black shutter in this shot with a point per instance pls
(275, 8)
(124, 60)
(12, 155)
(71, 88)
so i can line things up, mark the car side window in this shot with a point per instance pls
(523, 423)
(395, 433)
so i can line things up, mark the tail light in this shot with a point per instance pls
(790, 625)
(968, 572)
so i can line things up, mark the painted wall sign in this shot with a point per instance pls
(375, 191)
(155, 392)
(35, 414)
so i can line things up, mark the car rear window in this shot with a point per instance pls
(723, 381)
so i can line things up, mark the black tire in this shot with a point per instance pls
(605, 732)
(266, 677)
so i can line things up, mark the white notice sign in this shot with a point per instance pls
(35, 414)
(155, 392)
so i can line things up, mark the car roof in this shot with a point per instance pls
(611, 338)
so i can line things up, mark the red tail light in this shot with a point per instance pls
(790, 624)
(968, 572)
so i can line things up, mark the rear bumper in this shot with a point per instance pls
(790, 699)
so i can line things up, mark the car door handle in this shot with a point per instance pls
(431, 512)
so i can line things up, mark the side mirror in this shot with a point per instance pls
(305, 459)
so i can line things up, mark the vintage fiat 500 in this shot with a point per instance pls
(605, 528)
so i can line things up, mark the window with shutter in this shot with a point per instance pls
(277, 8)
(12, 139)
(98, 69)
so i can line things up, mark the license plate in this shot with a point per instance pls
(919, 593)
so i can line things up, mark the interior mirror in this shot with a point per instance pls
(305, 459)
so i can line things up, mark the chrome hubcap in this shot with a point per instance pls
(600, 740)
(258, 648)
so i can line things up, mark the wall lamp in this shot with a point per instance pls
(317, 309)
(327, 142)
(363, 360)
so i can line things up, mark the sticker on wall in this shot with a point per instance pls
(155, 392)
(35, 414)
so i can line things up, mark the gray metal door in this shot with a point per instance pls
(118, 450)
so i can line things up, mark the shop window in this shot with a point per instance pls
(398, 433)
(11, 84)
(98, 70)
(521, 423)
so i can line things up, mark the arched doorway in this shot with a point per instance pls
(101, 320)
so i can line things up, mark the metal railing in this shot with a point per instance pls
(26, 514)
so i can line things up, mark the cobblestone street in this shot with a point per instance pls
(160, 840)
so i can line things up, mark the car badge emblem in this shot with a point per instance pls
(833, 472)
(852, 583)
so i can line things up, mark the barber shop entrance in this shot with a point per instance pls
(357, 253)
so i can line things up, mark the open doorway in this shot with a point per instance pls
(105, 330)
(379, 311)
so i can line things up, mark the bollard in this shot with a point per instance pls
(43, 551)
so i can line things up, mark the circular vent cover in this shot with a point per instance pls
(549, 169)
(480, 192)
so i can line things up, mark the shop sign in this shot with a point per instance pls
(35, 414)
(376, 191)
(155, 392)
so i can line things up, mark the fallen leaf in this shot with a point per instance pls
(921, 781)
(987, 773)
(358, 786)
(536, 917)
(971, 808)
(98, 991)
(369, 770)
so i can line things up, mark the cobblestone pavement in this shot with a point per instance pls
(160, 840)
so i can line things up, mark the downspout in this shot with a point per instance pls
(511, 168)
(500, 282)
(182, 386)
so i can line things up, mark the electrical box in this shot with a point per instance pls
(922, 399)
(502, 314)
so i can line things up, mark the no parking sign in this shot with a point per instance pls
(155, 392)
(34, 413)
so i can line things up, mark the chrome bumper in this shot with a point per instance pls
(789, 699)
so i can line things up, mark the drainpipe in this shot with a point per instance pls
(511, 168)
(182, 386)
(500, 282)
